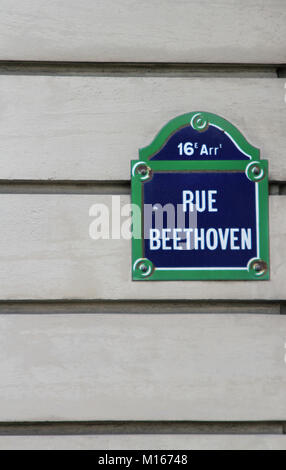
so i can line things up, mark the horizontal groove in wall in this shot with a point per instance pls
(281, 72)
(140, 427)
(63, 187)
(283, 308)
(144, 306)
(89, 187)
(139, 69)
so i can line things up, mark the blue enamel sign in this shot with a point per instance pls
(202, 191)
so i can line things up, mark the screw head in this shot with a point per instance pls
(143, 268)
(255, 170)
(144, 172)
(258, 267)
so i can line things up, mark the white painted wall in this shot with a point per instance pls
(66, 129)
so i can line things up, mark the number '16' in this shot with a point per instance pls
(186, 149)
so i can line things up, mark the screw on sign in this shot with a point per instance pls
(202, 190)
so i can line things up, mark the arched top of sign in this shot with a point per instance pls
(199, 136)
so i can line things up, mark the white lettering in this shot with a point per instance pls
(155, 243)
(176, 239)
(188, 232)
(223, 237)
(199, 200)
(165, 239)
(188, 196)
(211, 239)
(233, 239)
(199, 239)
(211, 200)
(246, 238)
(204, 150)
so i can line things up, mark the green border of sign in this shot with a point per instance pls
(256, 170)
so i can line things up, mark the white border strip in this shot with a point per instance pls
(257, 221)
(201, 269)
(233, 141)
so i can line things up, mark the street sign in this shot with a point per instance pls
(200, 204)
